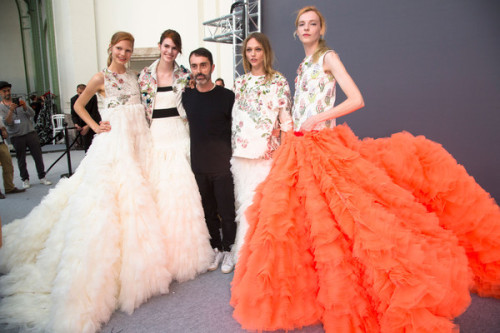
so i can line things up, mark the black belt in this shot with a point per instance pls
(169, 88)
(164, 113)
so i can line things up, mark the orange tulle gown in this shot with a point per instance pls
(365, 236)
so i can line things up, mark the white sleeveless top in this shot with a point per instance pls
(121, 89)
(314, 93)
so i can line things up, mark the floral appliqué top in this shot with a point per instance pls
(314, 92)
(261, 109)
(121, 89)
(149, 86)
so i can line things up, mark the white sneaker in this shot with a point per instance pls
(26, 183)
(217, 259)
(44, 181)
(227, 263)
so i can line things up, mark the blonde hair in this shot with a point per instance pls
(118, 37)
(322, 47)
(268, 54)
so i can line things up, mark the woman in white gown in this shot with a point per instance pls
(94, 244)
(174, 187)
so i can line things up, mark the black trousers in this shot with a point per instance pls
(217, 197)
(31, 141)
(87, 139)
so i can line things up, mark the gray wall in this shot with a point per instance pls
(428, 67)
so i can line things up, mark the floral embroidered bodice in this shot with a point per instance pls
(148, 86)
(121, 89)
(261, 109)
(314, 93)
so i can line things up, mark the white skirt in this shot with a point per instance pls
(247, 175)
(178, 200)
(94, 243)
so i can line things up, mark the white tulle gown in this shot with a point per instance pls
(94, 244)
(175, 190)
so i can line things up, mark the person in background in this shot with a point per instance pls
(6, 164)
(36, 104)
(85, 131)
(220, 82)
(18, 119)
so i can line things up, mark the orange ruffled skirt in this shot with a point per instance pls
(383, 235)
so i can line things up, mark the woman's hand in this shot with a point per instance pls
(309, 124)
(104, 126)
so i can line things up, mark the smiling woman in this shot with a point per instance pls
(94, 244)
(188, 249)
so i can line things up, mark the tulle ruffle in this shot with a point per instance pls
(94, 243)
(178, 199)
(247, 175)
(334, 238)
(444, 187)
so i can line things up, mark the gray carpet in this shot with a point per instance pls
(200, 305)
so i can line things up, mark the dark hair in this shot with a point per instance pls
(174, 36)
(221, 81)
(202, 52)
(81, 86)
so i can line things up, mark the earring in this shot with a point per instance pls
(295, 35)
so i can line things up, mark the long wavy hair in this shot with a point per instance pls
(268, 54)
(322, 47)
(116, 38)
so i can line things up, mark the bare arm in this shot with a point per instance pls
(354, 100)
(96, 84)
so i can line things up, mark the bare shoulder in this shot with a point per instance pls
(332, 63)
(331, 56)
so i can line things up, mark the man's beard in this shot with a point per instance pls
(201, 77)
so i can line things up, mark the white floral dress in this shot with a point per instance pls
(314, 93)
(261, 111)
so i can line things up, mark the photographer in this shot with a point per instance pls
(17, 117)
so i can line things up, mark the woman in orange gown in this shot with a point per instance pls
(383, 235)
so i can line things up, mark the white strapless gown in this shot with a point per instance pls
(94, 244)
(176, 192)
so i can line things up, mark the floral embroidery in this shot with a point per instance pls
(148, 84)
(261, 109)
(314, 93)
(120, 89)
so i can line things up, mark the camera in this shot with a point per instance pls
(15, 100)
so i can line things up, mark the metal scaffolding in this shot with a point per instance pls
(243, 19)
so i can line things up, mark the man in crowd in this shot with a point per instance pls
(86, 132)
(18, 119)
(6, 162)
(208, 108)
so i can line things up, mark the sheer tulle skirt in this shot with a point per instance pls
(338, 234)
(247, 174)
(178, 199)
(94, 243)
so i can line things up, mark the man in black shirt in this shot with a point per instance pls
(82, 127)
(208, 108)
